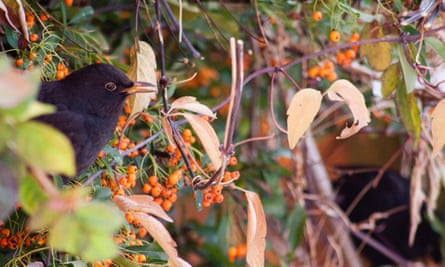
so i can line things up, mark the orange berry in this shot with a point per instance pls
(173, 197)
(153, 180)
(313, 72)
(350, 54)
(166, 204)
(129, 217)
(173, 178)
(334, 36)
(217, 189)
(340, 58)
(235, 175)
(31, 56)
(354, 37)
(3, 242)
(208, 197)
(19, 62)
(231, 254)
(156, 191)
(206, 204)
(141, 258)
(158, 200)
(218, 198)
(60, 75)
(142, 232)
(323, 72)
(146, 188)
(241, 250)
(68, 3)
(34, 37)
(331, 76)
(44, 17)
(5, 232)
(328, 65)
(317, 16)
(233, 161)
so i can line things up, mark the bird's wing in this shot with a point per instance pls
(73, 125)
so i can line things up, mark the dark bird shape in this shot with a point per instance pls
(391, 195)
(89, 102)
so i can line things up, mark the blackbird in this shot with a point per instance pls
(89, 102)
(391, 193)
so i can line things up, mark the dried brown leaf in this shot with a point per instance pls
(142, 68)
(168, 131)
(256, 230)
(343, 90)
(301, 112)
(207, 136)
(141, 203)
(12, 14)
(189, 103)
(159, 233)
(437, 123)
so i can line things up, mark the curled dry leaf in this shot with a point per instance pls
(301, 112)
(256, 230)
(168, 131)
(141, 203)
(159, 233)
(189, 103)
(142, 68)
(207, 136)
(12, 14)
(343, 90)
(437, 123)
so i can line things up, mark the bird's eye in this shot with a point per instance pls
(110, 86)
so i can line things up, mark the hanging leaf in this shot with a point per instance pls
(390, 79)
(189, 103)
(343, 90)
(207, 136)
(437, 45)
(378, 54)
(142, 68)
(141, 203)
(168, 131)
(437, 127)
(409, 74)
(295, 223)
(12, 14)
(256, 230)
(301, 112)
(409, 112)
(45, 148)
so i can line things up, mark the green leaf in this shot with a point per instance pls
(31, 196)
(408, 112)
(437, 45)
(44, 147)
(100, 246)
(390, 79)
(100, 217)
(379, 55)
(8, 190)
(83, 14)
(409, 74)
(295, 223)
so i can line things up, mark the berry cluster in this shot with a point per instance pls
(236, 252)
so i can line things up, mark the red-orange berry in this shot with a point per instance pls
(334, 36)
(317, 16)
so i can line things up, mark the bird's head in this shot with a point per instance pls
(104, 86)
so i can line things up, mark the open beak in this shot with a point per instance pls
(141, 87)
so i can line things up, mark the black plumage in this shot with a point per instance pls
(392, 193)
(89, 102)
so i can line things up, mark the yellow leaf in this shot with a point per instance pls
(207, 136)
(343, 90)
(437, 127)
(143, 69)
(379, 55)
(301, 112)
(256, 230)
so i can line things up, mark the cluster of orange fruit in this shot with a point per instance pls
(236, 252)
(24, 238)
(325, 71)
(164, 193)
(345, 57)
(123, 183)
